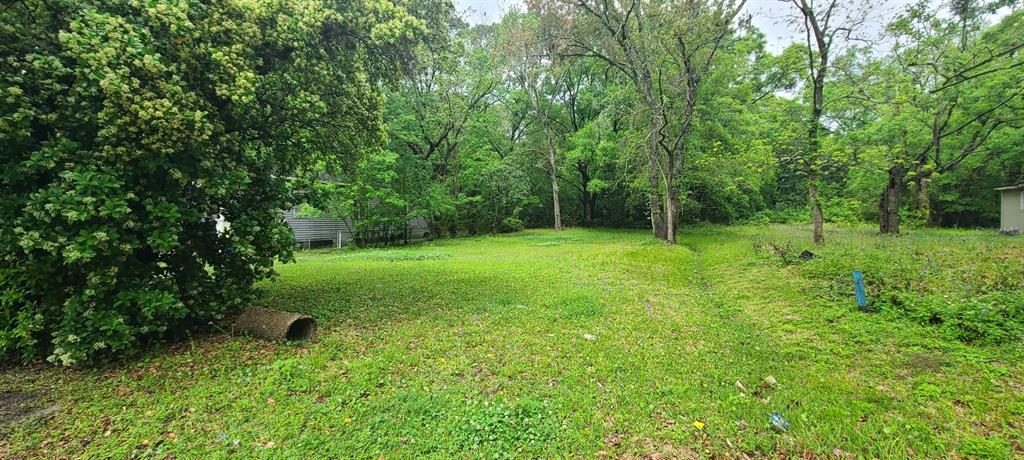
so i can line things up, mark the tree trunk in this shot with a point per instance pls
(889, 204)
(670, 212)
(592, 206)
(588, 209)
(654, 202)
(554, 185)
(817, 219)
(674, 211)
(586, 196)
(925, 202)
(555, 206)
(677, 207)
(432, 229)
(542, 116)
(817, 108)
(658, 221)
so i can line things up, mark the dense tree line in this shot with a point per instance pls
(656, 114)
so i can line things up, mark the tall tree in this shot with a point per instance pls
(528, 51)
(958, 84)
(451, 81)
(822, 23)
(664, 49)
(594, 133)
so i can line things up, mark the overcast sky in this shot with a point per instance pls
(768, 15)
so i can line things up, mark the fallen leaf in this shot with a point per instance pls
(698, 424)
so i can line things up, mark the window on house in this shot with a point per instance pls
(1022, 200)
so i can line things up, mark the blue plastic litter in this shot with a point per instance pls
(778, 422)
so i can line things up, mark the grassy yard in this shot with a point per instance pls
(585, 343)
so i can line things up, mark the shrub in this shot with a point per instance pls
(989, 318)
(128, 125)
(512, 224)
(973, 288)
(780, 216)
(785, 252)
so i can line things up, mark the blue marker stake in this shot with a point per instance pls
(858, 289)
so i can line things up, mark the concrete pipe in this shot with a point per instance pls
(268, 324)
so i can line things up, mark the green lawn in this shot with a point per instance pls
(579, 343)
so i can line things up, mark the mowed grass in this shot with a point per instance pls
(583, 343)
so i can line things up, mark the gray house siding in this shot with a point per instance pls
(310, 231)
(1012, 215)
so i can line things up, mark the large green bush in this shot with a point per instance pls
(127, 126)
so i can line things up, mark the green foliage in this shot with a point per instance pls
(985, 448)
(512, 224)
(374, 196)
(964, 287)
(510, 430)
(955, 74)
(847, 211)
(477, 115)
(779, 216)
(495, 191)
(127, 126)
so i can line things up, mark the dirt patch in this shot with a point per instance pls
(923, 362)
(19, 406)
